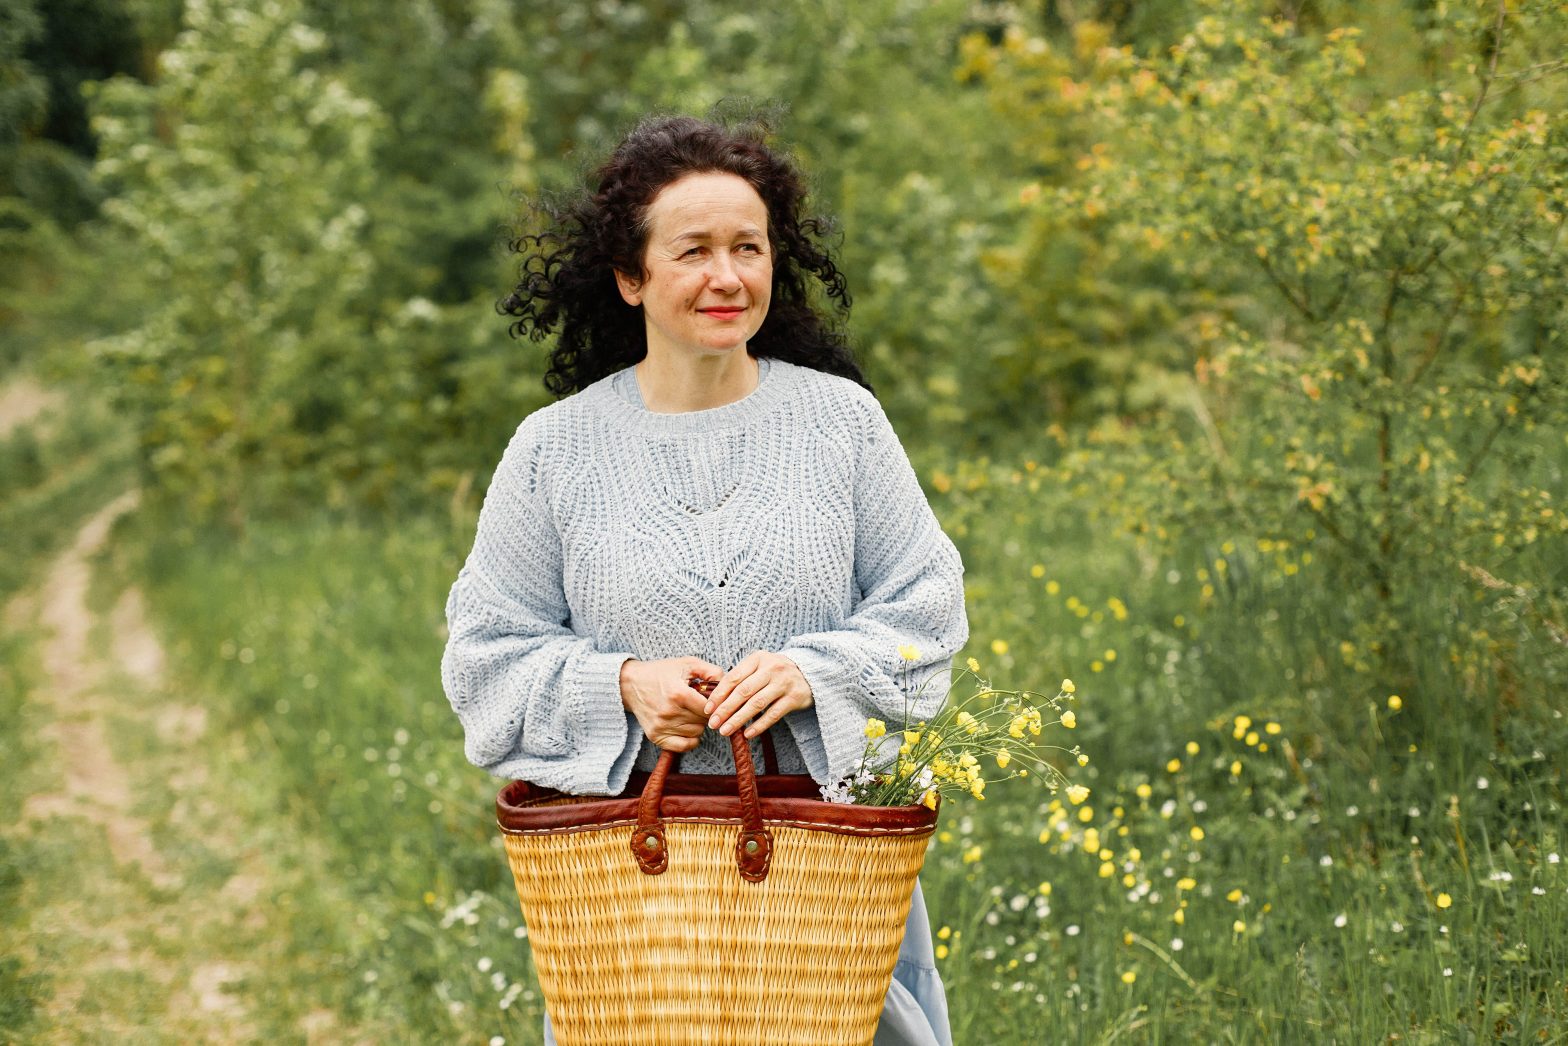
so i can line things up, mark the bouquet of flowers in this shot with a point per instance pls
(916, 762)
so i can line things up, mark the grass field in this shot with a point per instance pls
(1271, 852)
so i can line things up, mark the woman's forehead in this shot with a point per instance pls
(708, 204)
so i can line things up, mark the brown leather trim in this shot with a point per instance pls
(784, 800)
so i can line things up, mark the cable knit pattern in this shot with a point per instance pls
(789, 520)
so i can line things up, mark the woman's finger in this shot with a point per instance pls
(776, 711)
(744, 691)
(758, 702)
(732, 679)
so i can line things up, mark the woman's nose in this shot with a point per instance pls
(721, 273)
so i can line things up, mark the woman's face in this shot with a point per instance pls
(708, 267)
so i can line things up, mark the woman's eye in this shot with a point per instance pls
(751, 248)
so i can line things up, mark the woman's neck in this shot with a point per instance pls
(680, 385)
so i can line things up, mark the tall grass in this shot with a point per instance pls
(1269, 852)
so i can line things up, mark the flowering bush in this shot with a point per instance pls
(949, 754)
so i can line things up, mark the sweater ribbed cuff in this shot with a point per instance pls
(607, 734)
(831, 718)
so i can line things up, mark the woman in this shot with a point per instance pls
(719, 497)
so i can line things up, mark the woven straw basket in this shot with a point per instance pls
(709, 908)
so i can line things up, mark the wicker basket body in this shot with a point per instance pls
(708, 942)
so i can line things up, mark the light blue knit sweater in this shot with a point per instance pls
(789, 520)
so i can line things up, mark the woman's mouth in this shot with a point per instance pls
(724, 313)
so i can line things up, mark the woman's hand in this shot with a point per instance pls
(762, 689)
(660, 695)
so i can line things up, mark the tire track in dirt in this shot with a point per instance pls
(81, 692)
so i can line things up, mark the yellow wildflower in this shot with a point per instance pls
(909, 652)
(1083, 760)
(968, 722)
(1238, 926)
(944, 933)
(1107, 869)
(1003, 758)
(1077, 794)
(1045, 889)
(1173, 766)
(998, 647)
(1196, 833)
(1271, 729)
(929, 799)
(977, 788)
(1069, 720)
(1186, 883)
(1235, 767)
(1242, 722)
(1067, 687)
(875, 728)
(1086, 814)
(1144, 791)
(1128, 976)
(1192, 748)
(1234, 895)
(1395, 703)
(1252, 737)
(1179, 918)
(911, 737)
(941, 951)
(972, 854)
(1443, 900)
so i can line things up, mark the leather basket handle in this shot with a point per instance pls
(753, 843)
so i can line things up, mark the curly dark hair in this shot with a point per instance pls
(566, 279)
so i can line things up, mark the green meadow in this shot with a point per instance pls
(1225, 340)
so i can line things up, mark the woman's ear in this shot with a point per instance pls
(630, 288)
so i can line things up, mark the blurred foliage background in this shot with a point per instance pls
(1226, 336)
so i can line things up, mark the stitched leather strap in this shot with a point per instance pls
(753, 844)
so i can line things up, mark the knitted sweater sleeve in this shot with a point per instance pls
(910, 580)
(537, 701)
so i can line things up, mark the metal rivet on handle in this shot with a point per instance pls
(651, 843)
(751, 846)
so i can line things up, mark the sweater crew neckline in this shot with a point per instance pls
(623, 398)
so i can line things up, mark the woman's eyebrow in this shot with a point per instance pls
(748, 232)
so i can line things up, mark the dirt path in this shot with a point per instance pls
(22, 401)
(149, 899)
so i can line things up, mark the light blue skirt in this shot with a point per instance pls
(915, 1010)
